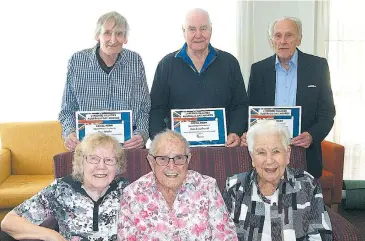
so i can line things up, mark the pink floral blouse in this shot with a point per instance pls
(198, 213)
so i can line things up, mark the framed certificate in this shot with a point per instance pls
(114, 123)
(289, 116)
(200, 127)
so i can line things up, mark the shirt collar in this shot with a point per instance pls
(97, 47)
(293, 60)
(182, 53)
(79, 187)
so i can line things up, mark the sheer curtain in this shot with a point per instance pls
(38, 37)
(245, 39)
(346, 57)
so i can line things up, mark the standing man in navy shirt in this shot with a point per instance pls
(199, 76)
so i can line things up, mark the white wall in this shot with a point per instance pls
(39, 36)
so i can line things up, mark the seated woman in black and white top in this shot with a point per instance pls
(273, 201)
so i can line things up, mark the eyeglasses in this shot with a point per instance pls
(178, 160)
(93, 159)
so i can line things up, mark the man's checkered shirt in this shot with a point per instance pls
(89, 88)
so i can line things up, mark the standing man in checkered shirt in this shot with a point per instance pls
(106, 77)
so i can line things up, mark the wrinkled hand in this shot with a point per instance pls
(136, 142)
(305, 140)
(243, 140)
(71, 141)
(233, 140)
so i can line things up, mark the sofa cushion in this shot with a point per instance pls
(16, 188)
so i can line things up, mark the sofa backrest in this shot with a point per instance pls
(32, 146)
(217, 162)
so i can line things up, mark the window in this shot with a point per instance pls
(346, 57)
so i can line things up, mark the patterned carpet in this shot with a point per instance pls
(356, 217)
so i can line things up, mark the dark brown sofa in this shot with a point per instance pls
(218, 162)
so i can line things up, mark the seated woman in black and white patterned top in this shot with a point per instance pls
(273, 201)
(85, 204)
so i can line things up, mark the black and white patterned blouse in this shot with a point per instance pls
(79, 217)
(296, 210)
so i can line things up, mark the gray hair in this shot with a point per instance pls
(197, 10)
(268, 127)
(164, 135)
(296, 20)
(89, 144)
(120, 22)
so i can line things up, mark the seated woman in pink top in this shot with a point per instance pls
(172, 202)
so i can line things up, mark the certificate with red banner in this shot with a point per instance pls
(289, 116)
(115, 123)
(200, 127)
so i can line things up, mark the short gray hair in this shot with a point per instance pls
(198, 10)
(296, 20)
(120, 22)
(89, 144)
(166, 134)
(268, 127)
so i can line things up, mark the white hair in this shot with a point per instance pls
(296, 20)
(196, 10)
(120, 22)
(268, 127)
(164, 135)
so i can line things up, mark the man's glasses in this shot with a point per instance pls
(178, 160)
(93, 159)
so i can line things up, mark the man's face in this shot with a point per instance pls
(285, 39)
(197, 32)
(111, 39)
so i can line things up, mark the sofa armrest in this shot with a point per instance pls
(5, 165)
(333, 160)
